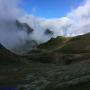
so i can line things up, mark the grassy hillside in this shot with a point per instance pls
(9, 58)
(78, 44)
(53, 43)
(57, 50)
(54, 65)
(63, 50)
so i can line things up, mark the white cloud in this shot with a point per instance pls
(10, 34)
(15, 38)
(76, 21)
(9, 8)
(81, 19)
(34, 9)
(58, 25)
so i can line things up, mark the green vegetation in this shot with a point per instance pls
(62, 63)
(78, 44)
(63, 49)
(53, 43)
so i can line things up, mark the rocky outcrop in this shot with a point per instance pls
(36, 76)
(24, 26)
(48, 32)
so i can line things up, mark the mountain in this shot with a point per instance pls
(30, 36)
(48, 32)
(53, 43)
(9, 58)
(24, 26)
(78, 44)
(55, 65)
(5, 53)
(63, 50)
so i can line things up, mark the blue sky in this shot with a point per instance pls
(50, 8)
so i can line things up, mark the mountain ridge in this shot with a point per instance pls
(48, 68)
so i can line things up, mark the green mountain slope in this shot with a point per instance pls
(78, 44)
(53, 43)
(63, 50)
(8, 58)
(51, 67)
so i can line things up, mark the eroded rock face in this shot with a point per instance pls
(24, 26)
(48, 32)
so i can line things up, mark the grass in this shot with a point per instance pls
(63, 50)
(54, 43)
(50, 63)
(78, 44)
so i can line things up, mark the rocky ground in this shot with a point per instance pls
(40, 76)
(60, 64)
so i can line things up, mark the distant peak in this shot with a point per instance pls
(48, 32)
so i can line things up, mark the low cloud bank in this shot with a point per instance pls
(14, 37)
(76, 22)
(18, 40)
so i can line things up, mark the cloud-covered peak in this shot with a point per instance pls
(76, 22)
(15, 35)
